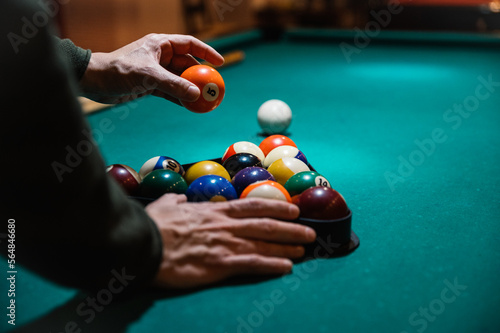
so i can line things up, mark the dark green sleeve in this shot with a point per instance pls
(74, 225)
(79, 58)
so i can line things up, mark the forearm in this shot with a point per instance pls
(73, 223)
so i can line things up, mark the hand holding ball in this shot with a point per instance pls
(211, 86)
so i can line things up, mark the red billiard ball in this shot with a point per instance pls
(274, 141)
(127, 177)
(211, 86)
(321, 203)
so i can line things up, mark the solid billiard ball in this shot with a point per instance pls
(211, 86)
(161, 181)
(243, 147)
(211, 188)
(127, 177)
(274, 141)
(283, 151)
(161, 162)
(274, 116)
(239, 162)
(301, 181)
(286, 167)
(266, 189)
(243, 178)
(321, 203)
(205, 168)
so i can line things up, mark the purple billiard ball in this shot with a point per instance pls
(248, 176)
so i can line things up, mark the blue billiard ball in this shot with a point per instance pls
(211, 188)
(248, 176)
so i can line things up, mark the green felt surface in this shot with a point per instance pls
(436, 226)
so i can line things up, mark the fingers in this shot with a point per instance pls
(174, 86)
(257, 265)
(273, 231)
(180, 62)
(169, 199)
(237, 246)
(182, 44)
(178, 52)
(265, 229)
(161, 94)
(255, 207)
(273, 249)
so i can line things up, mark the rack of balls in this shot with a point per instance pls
(274, 169)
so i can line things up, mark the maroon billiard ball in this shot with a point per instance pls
(127, 177)
(321, 203)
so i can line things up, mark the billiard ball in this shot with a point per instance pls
(211, 86)
(274, 116)
(248, 176)
(301, 181)
(161, 162)
(274, 141)
(205, 168)
(266, 189)
(321, 203)
(127, 177)
(286, 167)
(239, 162)
(283, 151)
(243, 147)
(211, 188)
(161, 181)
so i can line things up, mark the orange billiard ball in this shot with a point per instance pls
(211, 86)
(275, 141)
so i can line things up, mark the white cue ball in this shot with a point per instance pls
(274, 116)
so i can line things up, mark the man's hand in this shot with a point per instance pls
(148, 66)
(208, 242)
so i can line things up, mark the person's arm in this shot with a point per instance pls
(150, 65)
(74, 225)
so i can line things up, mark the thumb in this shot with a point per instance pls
(176, 86)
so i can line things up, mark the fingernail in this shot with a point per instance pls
(193, 93)
(294, 211)
(310, 234)
(288, 264)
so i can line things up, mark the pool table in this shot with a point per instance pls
(405, 125)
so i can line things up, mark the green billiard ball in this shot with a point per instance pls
(161, 181)
(301, 181)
